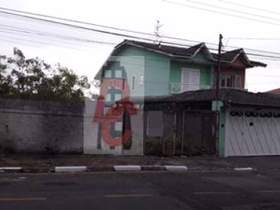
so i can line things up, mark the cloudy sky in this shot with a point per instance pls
(189, 19)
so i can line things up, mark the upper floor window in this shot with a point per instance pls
(118, 73)
(108, 73)
(231, 81)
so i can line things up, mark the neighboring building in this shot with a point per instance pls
(275, 91)
(234, 65)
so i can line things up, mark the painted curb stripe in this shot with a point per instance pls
(244, 169)
(70, 169)
(127, 168)
(176, 168)
(10, 169)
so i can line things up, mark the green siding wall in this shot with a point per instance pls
(161, 75)
(154, 67)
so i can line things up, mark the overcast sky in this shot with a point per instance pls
(179, 20)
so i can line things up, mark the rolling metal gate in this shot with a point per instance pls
(252, 133)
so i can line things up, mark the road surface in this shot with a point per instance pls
(140, 191)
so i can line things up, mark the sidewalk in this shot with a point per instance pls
(47, 163)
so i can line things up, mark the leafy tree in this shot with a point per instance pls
(35, 79)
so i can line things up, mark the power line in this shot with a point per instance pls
(63, 37)
(221, 12)
(250, 7)
(126, 35)
(233, 10)
(76, 26)
(75, 21)
(113, 33)
(256, 38)
(168, 37)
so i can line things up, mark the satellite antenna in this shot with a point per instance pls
(157, 32)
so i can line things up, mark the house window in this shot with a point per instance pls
(141, 82)
(118, 96)
(118, 73)
(108, 97)
(108, 74)
(118, 126)
(238, 82)
(230, 81)
(190, 79)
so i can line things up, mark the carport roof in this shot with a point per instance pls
(229, 96)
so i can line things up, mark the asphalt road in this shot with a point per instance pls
(143, 191)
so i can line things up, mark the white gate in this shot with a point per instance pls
(252, 133)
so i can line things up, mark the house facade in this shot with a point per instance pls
(140, 70)
(157, 70)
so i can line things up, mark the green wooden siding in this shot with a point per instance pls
(154, 67)
(160, 74)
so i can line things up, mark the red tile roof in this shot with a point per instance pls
(275, 91)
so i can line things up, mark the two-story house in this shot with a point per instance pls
(156, 69)
(149, 70)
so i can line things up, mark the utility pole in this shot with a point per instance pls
(217, 95)
(218, 69)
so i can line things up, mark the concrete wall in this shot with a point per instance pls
(40, 126)
(51, 127)
(94, 142)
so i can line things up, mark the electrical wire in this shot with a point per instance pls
(124, 35)
(127, 30)
(46, 34)
(220, 12)
(232, 10)
(249, 7)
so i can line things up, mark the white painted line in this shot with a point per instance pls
(212, 193)
(176, 168)
(70, 169)
(244, 169)
(23, 199)
(127, 168)
(3, 169)
(268, 191)
(127, 195)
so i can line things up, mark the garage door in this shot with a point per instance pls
(250, 133)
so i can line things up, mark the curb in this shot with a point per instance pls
(117, 168)
(173, 168)
(127, 168)
(70, 169)
(79, 169)
(10, 169)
